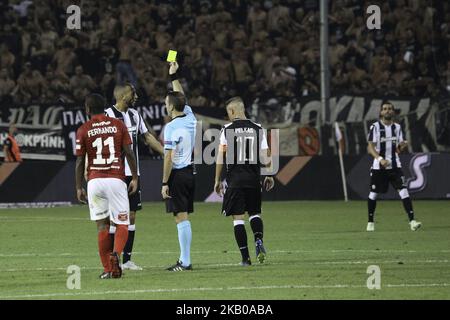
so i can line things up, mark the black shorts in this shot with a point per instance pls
(181, 189)
(240, 200)
(380, 179)
(134, 199)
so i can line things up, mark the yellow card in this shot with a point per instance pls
(172, 56)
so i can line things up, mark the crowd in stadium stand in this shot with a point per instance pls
(229, 47)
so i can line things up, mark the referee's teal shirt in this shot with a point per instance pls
(179, 136)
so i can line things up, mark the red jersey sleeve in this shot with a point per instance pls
(80, 146)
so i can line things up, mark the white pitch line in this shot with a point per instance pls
(386, 261)
(218, 265)
(39, 219)
(145, 267)
(164, 290)
(12, 255)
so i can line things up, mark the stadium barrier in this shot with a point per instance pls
(299, 178)
(48, 131)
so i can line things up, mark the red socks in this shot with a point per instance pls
(104, 249)
(121, 238)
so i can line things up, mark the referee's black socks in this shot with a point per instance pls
(241, 238)
(257, 226)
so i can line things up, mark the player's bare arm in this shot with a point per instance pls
(166, 174)
(153, 143)
(85, 168)
(79, 175)
(218, 187)
(268, 183)
(402, 146)
(175, 83)
(266, 161)
(133, 167)
(371, 150)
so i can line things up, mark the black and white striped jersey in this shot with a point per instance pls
(386, 138)
(135, 125)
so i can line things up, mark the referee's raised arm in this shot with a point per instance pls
(174, 77)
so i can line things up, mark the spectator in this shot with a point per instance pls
(64, 59)
(7, 59)
(336, 51)
(356, 75)
(256, 17)
(222, 73)
(81, 84)
(127, 47)
(6, 84)
(48, 39)
(58, 87)
(275, 13)
(242, 72)
(227, 45)
(30, 85)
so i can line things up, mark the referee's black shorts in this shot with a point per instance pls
(380, 179)
(181, 189)
(241, 200)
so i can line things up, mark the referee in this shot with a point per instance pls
(178, 175)
(243, 145)
(385, 142)
(126, 98)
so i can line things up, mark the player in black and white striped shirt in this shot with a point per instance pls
(385, 142)
(126, 97)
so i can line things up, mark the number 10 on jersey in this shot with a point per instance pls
(245, 147)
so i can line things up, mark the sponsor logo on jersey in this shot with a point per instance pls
(388, 139)
(101, 124)
(122, 216)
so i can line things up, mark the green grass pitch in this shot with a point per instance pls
(316, 250)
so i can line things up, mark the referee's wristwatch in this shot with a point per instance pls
(165, 184)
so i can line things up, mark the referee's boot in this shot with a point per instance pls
(179, 267)
(260, 251)
(415, 225)
(370, 226)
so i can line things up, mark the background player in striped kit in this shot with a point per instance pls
(126, 97)
(385, 142)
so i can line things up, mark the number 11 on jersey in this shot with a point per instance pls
(98, 144)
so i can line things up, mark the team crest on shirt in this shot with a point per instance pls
(122, 216)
